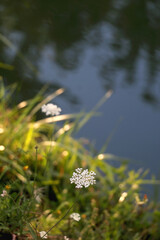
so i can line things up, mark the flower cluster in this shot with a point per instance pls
(51, 109)
(66, 238)
(4, 193)
(43, 234)
(83, 178)
(75, 216)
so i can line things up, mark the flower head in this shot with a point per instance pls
(4, 193)
(83, 178)
(43, 234)
(66, 238)
(75, 216)
(51, 109)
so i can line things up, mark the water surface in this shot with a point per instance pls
(90, 47)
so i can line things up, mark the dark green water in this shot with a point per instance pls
(89, 47)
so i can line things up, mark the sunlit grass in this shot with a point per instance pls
(37, 159)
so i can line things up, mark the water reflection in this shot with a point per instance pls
(124, 36)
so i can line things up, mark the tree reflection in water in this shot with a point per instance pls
(125, 34)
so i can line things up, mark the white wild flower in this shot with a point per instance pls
(4, 193)
(66, 238)
(75, 216)
(51, 109)
(83, 178)
(43, 234)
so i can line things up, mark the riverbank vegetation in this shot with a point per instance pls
(37, 200)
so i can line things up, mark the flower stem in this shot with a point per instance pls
(35, 174)
(60, 219)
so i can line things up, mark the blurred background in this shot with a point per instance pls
(90, 47)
